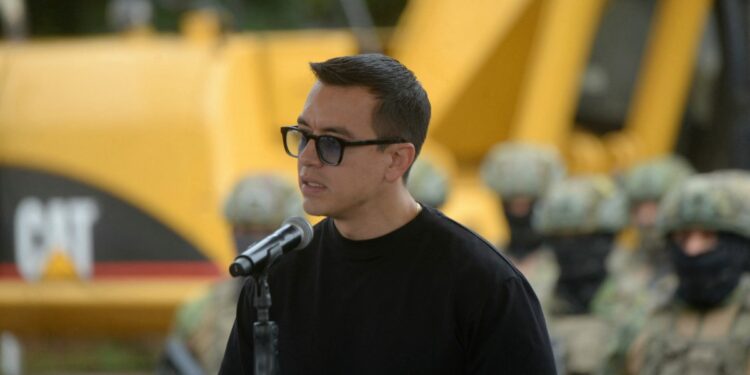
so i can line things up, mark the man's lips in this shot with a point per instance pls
(310, 186)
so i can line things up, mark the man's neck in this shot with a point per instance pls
(380, 219)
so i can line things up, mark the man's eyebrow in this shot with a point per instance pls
(337, 130)
(340, 130)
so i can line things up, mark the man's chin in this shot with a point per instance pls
(314, 209)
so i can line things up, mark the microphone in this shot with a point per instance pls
(295, 233)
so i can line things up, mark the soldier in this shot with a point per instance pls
(704, 329)
(645, 184)
(520, 174)
(257, 206)
(580, 217)
(641, 278)
(428, 183)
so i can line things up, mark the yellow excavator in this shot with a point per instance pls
(116, 151)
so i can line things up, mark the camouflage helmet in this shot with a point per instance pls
(519, 169)
(581, 205)
(427, 183)
(716, 201)
(650, 180)
(263, 200)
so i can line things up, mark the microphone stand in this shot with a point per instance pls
(265, 332)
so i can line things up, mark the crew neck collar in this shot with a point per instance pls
(374, 247)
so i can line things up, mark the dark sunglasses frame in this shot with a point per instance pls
(343, 144)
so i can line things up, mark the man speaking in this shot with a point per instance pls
(386, 286)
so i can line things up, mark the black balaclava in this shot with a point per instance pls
(582, 261)
(523, 238)
(707, 279)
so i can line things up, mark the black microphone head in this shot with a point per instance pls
(304, 227)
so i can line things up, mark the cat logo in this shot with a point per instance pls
(51, 234)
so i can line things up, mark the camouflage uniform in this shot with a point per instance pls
(427, 183)
(586, 213)
(683, 337)
(525, 171)
(257, 206)
(684, 341)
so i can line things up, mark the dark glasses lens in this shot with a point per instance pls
(329, 148)
(294, 142)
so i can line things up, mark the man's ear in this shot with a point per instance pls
(402, 156)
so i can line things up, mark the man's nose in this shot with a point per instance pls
(697, 243)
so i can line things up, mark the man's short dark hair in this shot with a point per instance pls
(403, 110)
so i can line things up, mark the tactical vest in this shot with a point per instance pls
(683, 341)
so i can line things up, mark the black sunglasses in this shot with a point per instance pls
(330, 149)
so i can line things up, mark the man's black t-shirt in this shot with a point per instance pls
(428, 298)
